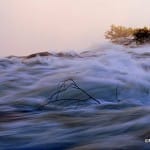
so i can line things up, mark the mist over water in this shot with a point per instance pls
(117, 77)
(86, 94)
(29, 26)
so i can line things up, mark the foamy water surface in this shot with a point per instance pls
(116, 116)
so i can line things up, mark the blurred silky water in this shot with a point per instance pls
(93, 100)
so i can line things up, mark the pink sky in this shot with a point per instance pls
(28, 26)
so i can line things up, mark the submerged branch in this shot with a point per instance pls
(62, 87)
(83, 91)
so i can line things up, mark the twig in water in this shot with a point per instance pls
(83, 91)
(62, 88)
(117, 95)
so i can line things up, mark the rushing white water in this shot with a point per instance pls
(116, 115)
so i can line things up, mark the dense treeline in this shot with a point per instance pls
(138, 35)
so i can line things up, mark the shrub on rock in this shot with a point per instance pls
(126, 36)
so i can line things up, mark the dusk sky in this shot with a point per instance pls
(28, 26)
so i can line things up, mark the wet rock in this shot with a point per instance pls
(128, 41)
(38, 54)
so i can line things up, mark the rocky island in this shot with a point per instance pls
(128, 36)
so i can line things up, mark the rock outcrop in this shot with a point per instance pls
(38, 54)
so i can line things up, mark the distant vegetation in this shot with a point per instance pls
(126, 36)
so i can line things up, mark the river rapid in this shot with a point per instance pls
(93, 100)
